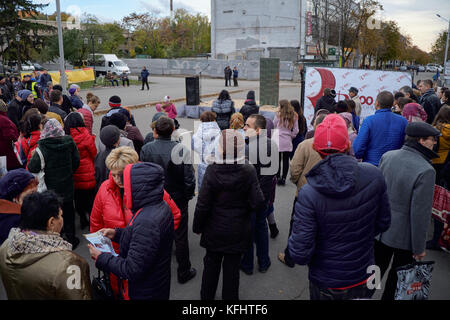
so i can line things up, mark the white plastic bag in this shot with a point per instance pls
(414, 281)
(41, 175)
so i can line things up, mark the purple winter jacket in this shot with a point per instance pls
(283, 136)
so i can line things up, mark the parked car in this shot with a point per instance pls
(421, 69)
(27, 67)
(403, 68)
(24, 67)
(431, 67)
(37, 66)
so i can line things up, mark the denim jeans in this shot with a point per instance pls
(260, 236)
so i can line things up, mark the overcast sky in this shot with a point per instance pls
(417, 18)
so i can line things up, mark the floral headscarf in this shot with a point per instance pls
(52, 129)
(414, 112)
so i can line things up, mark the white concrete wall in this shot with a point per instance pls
(213, 68)
(253, 24)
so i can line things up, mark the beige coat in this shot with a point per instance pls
(358, 106)
(42, 266)
(305, 158)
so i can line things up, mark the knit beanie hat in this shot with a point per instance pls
(354, 90)
(331, 134)
(166, 99)
(52, 129)
(109, 135)
(251, 95)
(115, 101)
(347, 116)
(23, 94)
(14, 182)
(3, 106)
(119, 120)
(73, 87)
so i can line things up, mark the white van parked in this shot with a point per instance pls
(107, 62)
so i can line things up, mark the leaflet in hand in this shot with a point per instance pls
(102, 243)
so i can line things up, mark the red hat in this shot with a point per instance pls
(331, 134)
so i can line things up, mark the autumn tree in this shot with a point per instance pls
(438, 48)
(181, 36)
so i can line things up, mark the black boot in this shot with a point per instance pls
(273, 230)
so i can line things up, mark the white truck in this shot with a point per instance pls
(104, 63)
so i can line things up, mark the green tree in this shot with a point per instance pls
(75, 51)
(391, 47)
(17, 23)
(438, 48)
(78, 43)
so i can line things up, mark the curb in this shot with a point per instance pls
(153, 103)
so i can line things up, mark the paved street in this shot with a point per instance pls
(280, 282)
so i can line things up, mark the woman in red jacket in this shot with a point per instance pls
(109, 209)
(84, 177)
(31, 129)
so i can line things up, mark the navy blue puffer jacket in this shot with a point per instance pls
(146, 243)
(338, 213)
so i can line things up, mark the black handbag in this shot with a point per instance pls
(101, 287)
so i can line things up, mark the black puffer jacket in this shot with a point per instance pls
(179, 179)
(146, 243)
(250, 107)
(229, 194)
(224, 110)
(325, 102)
(431, 104)
(263, 154)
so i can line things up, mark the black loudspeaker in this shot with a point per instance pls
(192, 91)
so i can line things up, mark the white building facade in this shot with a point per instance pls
(259, 28)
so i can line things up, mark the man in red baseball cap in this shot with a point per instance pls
(338, 213)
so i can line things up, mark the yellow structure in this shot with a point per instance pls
(73, 76)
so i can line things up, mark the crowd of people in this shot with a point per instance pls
(364, 191)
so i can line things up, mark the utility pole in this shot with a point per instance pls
(62, 69)
(446, 46)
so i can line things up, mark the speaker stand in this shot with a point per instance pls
(200, 87)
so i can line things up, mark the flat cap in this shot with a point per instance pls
(353, 89)
(421, 130)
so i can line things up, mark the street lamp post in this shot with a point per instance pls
(86, 42)
(3, 60)
(62, 67)
(19, 63)
(446, 45)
